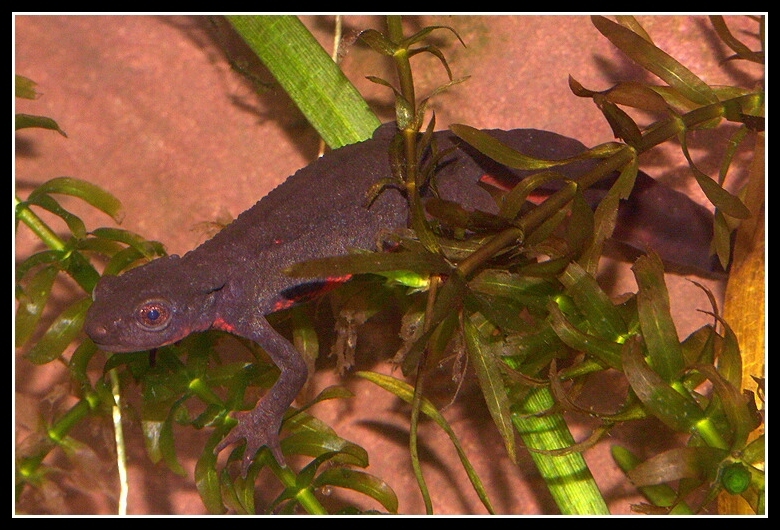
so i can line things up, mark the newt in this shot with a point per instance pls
(235, 279)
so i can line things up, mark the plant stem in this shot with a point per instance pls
(38, 227)
(418, 396)
(406, 82)
(402, 64)
(305, 496)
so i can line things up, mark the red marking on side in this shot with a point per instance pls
(537, 196)
(283, 304)
(223, 325)
(491, 180)
(333, 281)
(328, 285)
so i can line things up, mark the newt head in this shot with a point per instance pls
(148, 307)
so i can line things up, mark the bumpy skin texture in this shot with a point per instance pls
(234, 280)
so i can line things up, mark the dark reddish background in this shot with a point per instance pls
(156, 115)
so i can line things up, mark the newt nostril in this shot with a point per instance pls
(95, 330)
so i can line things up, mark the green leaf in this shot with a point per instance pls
(383, 82)
(419, 223)
(65, 328)
(94, 195)
(699, 347)
(528, 290)
(152, 430)
(207, 480)
(82, 271)
(605, 217)
(433, 50)
(656, 61)
(167, 440)
(406, 392)
(75, 224)
(317, 443)
(755, 452)
(655, 318)
(306, 475)
(530, 352)
(721, 238)
(139, 359)
(24, 87)
(722, 199)
(331, 392)
(623, 126)
(307, 73)
(678, 411)
(604, 350)
(313, 437)
(378, 42)
(456, 216)
(359, 481)
(32, 302)
(579, 229)
(735, 406)
(487, 367)
(502, 153)
(729, 358)
(602, 316)
(374, 262)
(676, 464)
(735, 141)
(238, 493)
(578, 90)
(741, 49)
(420, 35)
(514, 200)
(632, 23)
(659, 495)
(78, 366)
(543, 233)
(301, 422)
(149, 249)
(27, 121)
(636, 95)
(501, 312)
(304, 335)
(121, 260)
(44, 257)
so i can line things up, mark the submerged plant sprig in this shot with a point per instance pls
(650, 354)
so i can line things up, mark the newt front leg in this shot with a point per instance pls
(260, 426)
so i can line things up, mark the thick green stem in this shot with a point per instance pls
(401, 57)
(305, 496)
(406, 82)
(567, 477)
(29, 464)
(39, 228)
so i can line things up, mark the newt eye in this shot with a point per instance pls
(154, 315)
